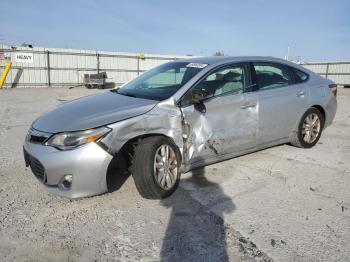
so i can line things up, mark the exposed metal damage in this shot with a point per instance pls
(164, 119)
(214, 135)
(169, 120)
(189, 129)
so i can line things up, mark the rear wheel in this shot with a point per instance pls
(156, 167)
(309, 129)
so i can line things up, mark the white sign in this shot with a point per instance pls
(24, 57)
(7, 56)
(196, 65)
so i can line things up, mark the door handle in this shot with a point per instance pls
(300, 94)
(248, 105)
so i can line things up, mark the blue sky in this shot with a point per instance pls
(315, 30)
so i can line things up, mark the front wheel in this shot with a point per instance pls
(309, 129)
(156, 167)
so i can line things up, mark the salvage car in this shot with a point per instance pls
(176, 117)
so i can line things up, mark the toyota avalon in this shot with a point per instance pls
(176, 117)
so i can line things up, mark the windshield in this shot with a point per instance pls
(161, 82)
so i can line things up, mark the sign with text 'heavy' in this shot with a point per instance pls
(24, 57)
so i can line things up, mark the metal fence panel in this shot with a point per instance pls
(339, 72)
(339, 68)
(66, 67)
(319, 69)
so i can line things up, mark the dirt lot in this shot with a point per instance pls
(282, 204)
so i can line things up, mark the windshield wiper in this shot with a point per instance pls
(127, 94)
(123, 93)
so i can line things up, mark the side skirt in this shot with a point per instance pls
(223, 157)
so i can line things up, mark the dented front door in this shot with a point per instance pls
(228, 126)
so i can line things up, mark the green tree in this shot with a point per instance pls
(219, 53)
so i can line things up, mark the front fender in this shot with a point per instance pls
(164, 119)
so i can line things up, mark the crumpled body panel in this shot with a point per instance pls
(225, 128)
(205, 137)
(164, 119)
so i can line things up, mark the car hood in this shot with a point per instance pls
(92, 111)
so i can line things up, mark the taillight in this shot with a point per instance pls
(333, 88)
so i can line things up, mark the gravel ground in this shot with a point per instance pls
(283, 203)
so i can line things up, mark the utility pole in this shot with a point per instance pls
(288, 50)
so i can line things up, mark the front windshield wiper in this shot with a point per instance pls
(127, 94)
(123, 93)
(117, 91)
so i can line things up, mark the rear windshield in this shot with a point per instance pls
(161, 82)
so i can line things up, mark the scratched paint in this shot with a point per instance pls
(202, 136)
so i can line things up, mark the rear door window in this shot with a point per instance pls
(272, 75)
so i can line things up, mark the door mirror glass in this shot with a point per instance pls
(198, 95)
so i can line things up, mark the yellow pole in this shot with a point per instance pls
(5, 73)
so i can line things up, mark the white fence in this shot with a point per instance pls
(49, 67)
(339, 72)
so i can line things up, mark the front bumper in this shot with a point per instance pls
(87, 164)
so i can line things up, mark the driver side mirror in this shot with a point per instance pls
(198, 95)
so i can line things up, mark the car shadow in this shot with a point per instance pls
(194, 232)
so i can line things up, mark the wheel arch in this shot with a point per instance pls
(321, 109)
(130, 145)
(123, 159)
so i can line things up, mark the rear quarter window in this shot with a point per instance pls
(300, 76)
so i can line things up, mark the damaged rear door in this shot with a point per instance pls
(226, 123)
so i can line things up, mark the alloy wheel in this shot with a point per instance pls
(165, 167)
(311, 128)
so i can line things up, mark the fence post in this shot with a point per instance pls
(138, 65)
(327, 68)
(48, 68)
(98, 62)
(139, 56)
(5, 73)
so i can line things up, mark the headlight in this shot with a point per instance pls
(70, 140)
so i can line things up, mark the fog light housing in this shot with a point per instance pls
(66, 182)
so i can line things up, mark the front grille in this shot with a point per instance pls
(36, 167)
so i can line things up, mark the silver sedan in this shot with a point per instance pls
(176, 117)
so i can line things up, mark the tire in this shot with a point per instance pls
(300, 138)
(147, 167)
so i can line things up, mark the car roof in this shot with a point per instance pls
(211, 60)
